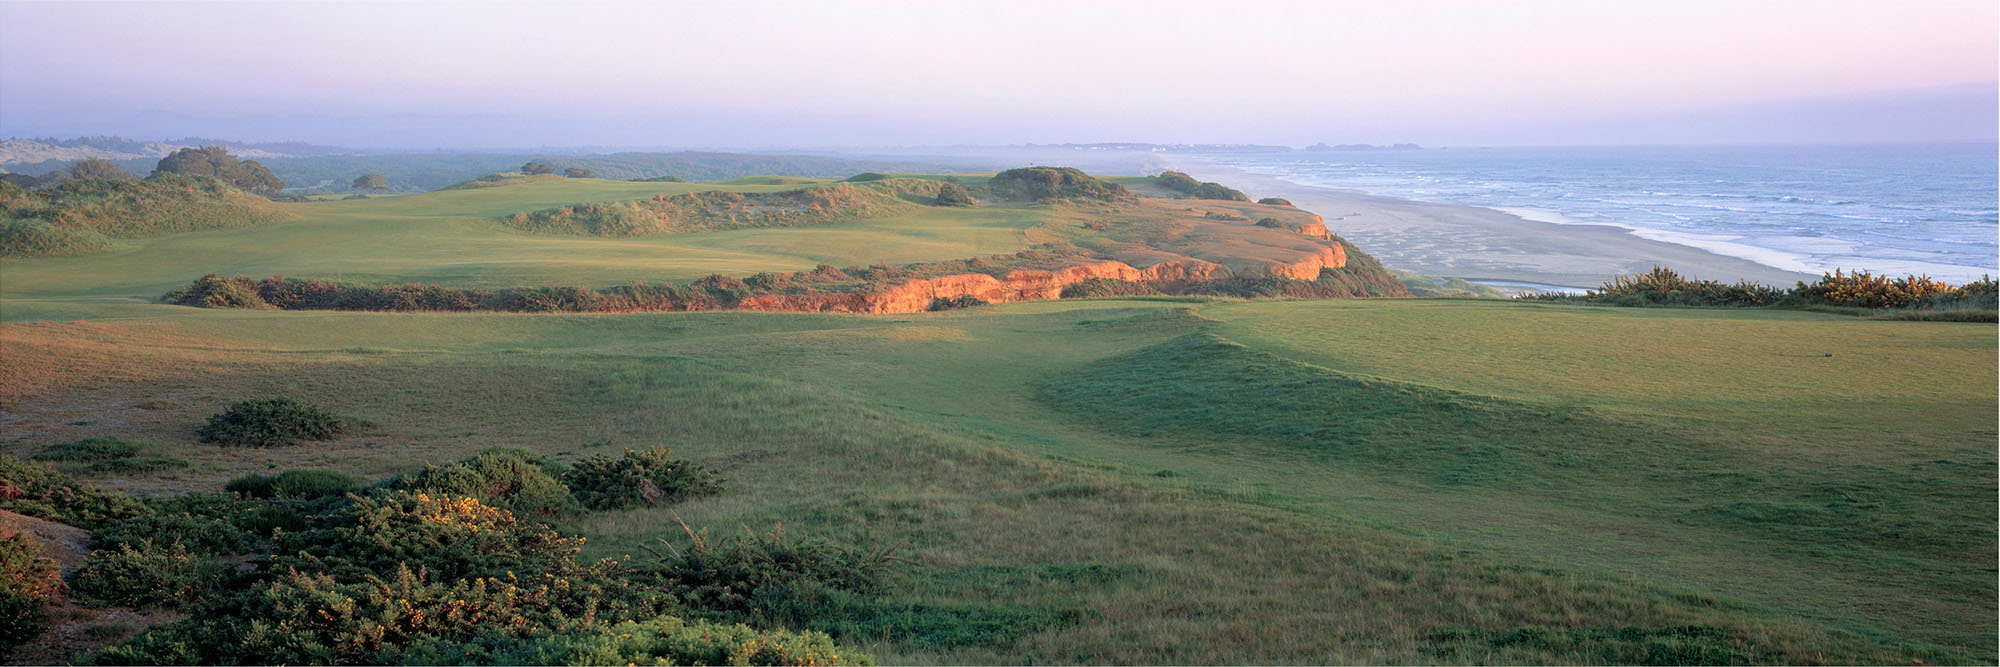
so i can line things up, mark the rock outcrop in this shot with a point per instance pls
(1025, 285)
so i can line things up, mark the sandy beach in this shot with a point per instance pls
(1485, 244)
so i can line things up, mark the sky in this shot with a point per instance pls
(748, 74)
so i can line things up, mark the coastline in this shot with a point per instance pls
(1475, 243)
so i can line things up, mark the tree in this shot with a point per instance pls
(953, 194)
(97, 167)
(579, 172)
(217, 162)
(371, 182)
(536, 168)
(24, 181)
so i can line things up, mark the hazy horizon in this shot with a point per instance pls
(784, 75)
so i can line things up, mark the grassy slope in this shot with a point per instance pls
(1161, 537)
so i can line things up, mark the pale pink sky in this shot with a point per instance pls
(766, 73)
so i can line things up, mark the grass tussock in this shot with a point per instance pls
(79, 216)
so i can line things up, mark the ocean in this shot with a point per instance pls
(1898, 209)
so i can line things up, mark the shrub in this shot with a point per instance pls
(1218, 191)
(212, 291)
(1177, 182)
(300, 483)
(40, 491)
(1099, 287)
(27, 581)
(1276, 201)
(215, 161)
(273, 422)
(1867, 290)
(1050, 183)
(647, 476)
(663, 178)
(447, 537)
(151, 574)
(210, 535)
(770, 577)
(533, 168)
(97, 448)
(1271, 223)
(953, 194)
(963, 301)
(867, 176)
(1664, 286)
(516, 480)
(579, 172)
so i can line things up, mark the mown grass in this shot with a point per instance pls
(1135, 480)
(1044, 537)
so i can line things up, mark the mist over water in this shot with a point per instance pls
(1927, 209)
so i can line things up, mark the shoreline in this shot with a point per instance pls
(1477, 243)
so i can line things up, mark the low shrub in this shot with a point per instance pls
(1103, 287)
(769, 577)
(1276, 201)
(147, 575)
(447, 537)
(39, 491)
(953, 194)
(27, 581)
(867, 176)
(1867, 290)
(663, 178)
(956, 302)
(207, 535)
(1051, 183)
(516, 480)
(1271, 223)
(639, 477)
(301, 483)
(1219, 192)
(672, 641)
(273, 422)
(1177, 182)
(98, 448)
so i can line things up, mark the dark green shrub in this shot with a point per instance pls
(1662, 286)
(963, 301)
(1218, 191)
(867, 176)
(579, 172)
(208, 535)
(40, 491)
(97, 448)
(769, 577)
(27, 581)
(1049, 183)
(212, 291)
(1101, 287)
(953, 194)
(1271, 223)
(639, 477)
(150, 574)
(1276, 201)
(663, 178)
(1866, 290)
(1177, 182)
(448, 537)
(516, 480)
(533, 168)
(301, 483)
(273, 422)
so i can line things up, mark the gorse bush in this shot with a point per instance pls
(1187, 185)
(39, 491)
(1867, 290)
(639, 477)
(769, 577)
(138, 465)
(1050, 183)
(27, 582)
(79, 216)
(301, 483)
(1909, 297)
(448, 537)
(272, 422)
(512, 479)
(1275, 201)
(956, 302)
(208, 535)
(953, 194)
(147, 575)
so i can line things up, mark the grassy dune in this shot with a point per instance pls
(1142, 480)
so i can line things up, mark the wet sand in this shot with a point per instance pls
(1484, 244)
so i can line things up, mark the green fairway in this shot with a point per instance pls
(1160, 480)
